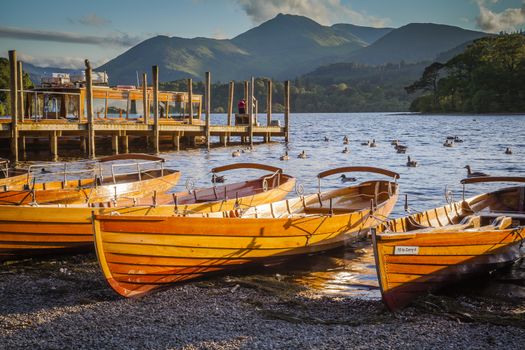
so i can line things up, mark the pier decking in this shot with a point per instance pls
(87, 113)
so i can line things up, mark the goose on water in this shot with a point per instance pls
(346, 150)
(347, 179)
(326, 139)
(508, 151)
(302, 155)
(394, 142)
(236, 153)
(448, 143)
(284, 156)
(411, 163)
(367, 143)
(373, 144)
(470, 173)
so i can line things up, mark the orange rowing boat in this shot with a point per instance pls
(427, 251)
(138, 254)
(140, 177)
(49, 229)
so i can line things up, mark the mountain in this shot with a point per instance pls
(366, 34)
(283, 47)
(413, 43)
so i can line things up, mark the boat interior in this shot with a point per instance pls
(498, 210)
(365, 196)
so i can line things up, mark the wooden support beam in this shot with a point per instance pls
(176, 141)
(207, 93)
(190, 99)
(249, 103)
(269, 89)
(287, 111)
(230, 108)
(114, 143)
(23, 145)
(53, 144)
(89, 108)
(145, 103)
(155, 77)
(21, 109)
(125, 143)
(83, 146)
(13, 84)
(246, 87)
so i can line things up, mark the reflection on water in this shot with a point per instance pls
(351, 270)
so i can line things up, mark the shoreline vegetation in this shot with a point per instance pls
(485, 78)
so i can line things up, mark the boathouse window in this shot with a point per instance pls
(117, 108)
(99, 107)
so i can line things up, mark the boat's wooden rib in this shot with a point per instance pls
(137, 184)
(25, 230)
(430, 250)
(138, 254)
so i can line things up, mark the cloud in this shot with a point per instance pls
(122, 40)
(323, 11)
(70, 62)
(509, 19)
(94, 20)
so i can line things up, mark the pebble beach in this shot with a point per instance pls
(66, 303)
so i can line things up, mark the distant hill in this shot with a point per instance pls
(369, 35)
(413, 43)
(282, 48)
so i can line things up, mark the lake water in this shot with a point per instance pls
(351, 270)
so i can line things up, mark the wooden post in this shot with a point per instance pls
(21, 109)
(89, 107)
(287, 111)
(176, 141)
(268, 137)
(246, 93)
(207, 93)
(125, 143)
(249, 103)
(145, 104)
(155, 72)
(14, 103)
(53, 143)
(23, 145)
(190, 100)
(83, 147)
(114, 143)
(230, 110)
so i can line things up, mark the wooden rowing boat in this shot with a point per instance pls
(49, 229)
(148, 175)
(10, 176)
(429, 250)
(138, 254)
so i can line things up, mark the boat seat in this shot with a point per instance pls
(502, 222)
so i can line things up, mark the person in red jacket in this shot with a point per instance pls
(242, 106)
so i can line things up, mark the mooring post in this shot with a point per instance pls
(230, 108)
(246, 92)
(250, 109)
(145, 104)
(207, 94)
(89, 106)
(83, 147)
(114, 143)
(125, 143)
(20, 91)
(287, 111)
(156, 143)
(14, 104)
(269, 109)
(190, 99)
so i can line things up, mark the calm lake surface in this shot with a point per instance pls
(351, 270)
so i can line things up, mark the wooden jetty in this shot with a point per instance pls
(85, 113)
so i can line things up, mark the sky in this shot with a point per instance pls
(63, 33)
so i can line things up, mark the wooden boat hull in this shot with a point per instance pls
(85, 191)
(411, 262)
(140, 254)
(16, 177)
(37, 230)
